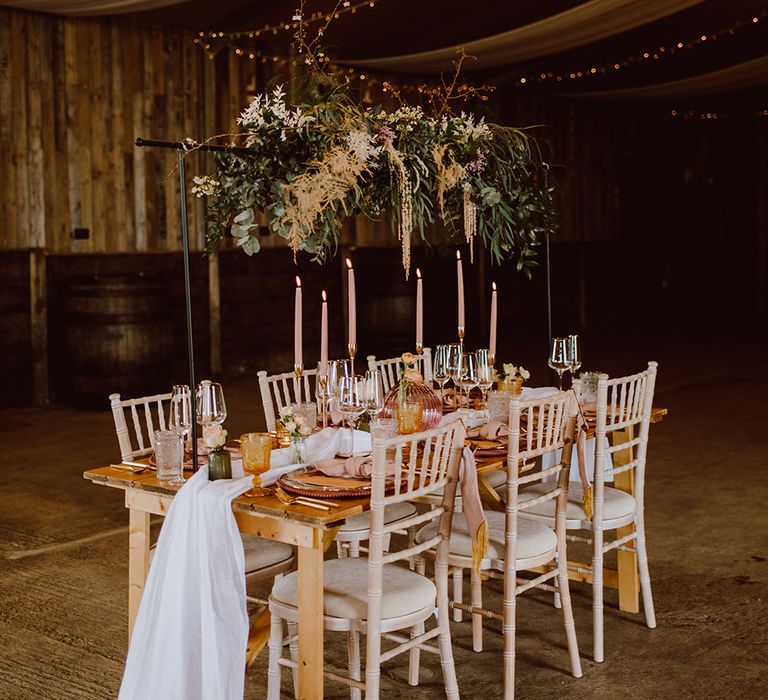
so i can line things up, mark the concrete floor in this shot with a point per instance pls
(63, 552)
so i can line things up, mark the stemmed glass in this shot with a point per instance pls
(373, 393)
(484, 373)
(468, 373)
(350, 398)
(336, 370)
(454, 363)
(180, 418)
(440, 371)
(573, 355)
(558, 358)
(211, 409)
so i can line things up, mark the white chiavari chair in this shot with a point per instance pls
(536, 427)
(392, 369)
(623, 405)
(264, 559)
(281, 390)
(147, 414)
(376, 596)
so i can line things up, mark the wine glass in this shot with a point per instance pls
(468, 373)
(350, 399)
(573, 355)
(211, 409)
(441, 368)
(180, 419)
(558, 357)
(373, 393)
(484, 373)
(454, 363)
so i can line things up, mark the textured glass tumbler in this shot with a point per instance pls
(169, 455)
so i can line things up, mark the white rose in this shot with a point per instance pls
(214, 436)
(290, 426)
(510, 369)
(524, 373)
(285, 411)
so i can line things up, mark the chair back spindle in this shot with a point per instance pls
(151, 408)
(281, 390)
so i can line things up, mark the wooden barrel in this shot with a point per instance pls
(119, 337)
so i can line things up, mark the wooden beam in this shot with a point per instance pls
(38, 317)
(214, 312)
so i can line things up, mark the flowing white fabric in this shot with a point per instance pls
(89, 7)
(190, 634)
(323, 445)
(582, 24)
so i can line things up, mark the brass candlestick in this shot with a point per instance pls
(322, 382)
(352, 350)
(298, 370)
(461, 338)
(419, 353)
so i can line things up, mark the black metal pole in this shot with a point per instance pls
(549, 291)
(182, 148)
(188, 294)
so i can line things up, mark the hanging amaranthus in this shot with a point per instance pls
(470, 220)
(447, 176)
(405, 195)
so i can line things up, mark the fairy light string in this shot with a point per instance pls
(658, 53)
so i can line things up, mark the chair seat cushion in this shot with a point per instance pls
(346, 590)
(533, 539)
(261, 553)
(616, 503)
(362, 521)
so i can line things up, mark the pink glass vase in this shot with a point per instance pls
(432, 409)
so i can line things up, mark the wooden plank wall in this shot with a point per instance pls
(74, 94)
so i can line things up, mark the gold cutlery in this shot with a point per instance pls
(303, 501)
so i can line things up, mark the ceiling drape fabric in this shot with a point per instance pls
(586, 23)
(89, 7)
(738, 77)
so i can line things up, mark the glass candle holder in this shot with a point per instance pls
(257, 452)
(498, 405)
(409, 417)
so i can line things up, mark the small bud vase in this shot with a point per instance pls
(298, 449)
(219, 464)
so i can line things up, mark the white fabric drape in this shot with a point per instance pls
(742, 75)
(580, 25)
(89, 7)
(191, 632)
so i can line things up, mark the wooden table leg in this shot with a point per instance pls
(311, 622)
(629, 580)
(138, 561)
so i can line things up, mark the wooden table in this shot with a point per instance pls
(308, 529)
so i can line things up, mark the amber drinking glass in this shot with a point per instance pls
(256, 449)
(409, 417)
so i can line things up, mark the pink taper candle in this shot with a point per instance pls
(351, 306)
(419, 311)
(297, 354)
(324, 338)
(460, 281)
(494, 315)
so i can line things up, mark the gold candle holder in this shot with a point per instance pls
(419, 353)
(461, 338)
(322, 382)
(298, 370)
(352, 350)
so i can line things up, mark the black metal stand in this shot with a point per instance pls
(182, 149)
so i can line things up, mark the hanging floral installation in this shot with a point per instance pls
(440, 176)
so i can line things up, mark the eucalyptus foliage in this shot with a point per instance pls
(309, 166)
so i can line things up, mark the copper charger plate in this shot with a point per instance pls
(308, 481)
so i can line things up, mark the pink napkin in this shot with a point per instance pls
(490, 431)
(470, 492)
(452, 399)
(351, 466)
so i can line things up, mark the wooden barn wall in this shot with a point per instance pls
(74, 95)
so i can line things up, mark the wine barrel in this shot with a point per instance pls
(119, 337)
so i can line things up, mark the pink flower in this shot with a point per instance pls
(411, 374)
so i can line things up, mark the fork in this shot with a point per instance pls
(299, 501)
